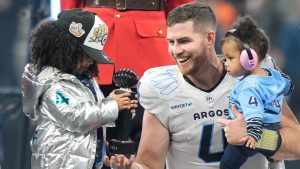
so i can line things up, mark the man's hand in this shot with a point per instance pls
(235, 129)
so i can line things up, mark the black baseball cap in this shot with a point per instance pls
(89, 29)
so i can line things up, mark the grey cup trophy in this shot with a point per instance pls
(121, 143)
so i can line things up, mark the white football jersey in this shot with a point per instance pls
(196, 140)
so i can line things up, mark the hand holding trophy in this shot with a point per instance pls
(122, 144)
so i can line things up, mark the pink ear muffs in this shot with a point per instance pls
(248, 59)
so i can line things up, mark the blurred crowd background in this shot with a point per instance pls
(280, 19)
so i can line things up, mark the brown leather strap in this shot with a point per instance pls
(122, 5)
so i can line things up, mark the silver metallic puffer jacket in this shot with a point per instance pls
(67, 118)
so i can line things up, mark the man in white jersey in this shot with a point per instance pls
(183, 102)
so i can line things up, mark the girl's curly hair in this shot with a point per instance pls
(248, 31)
(52, 47)
(256, 37)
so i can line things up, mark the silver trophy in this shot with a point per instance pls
(121, 142)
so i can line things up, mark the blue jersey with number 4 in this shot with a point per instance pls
(261, 96)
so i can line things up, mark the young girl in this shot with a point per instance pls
(61, 95)
(258, 95)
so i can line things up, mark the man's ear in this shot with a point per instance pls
(211, 38)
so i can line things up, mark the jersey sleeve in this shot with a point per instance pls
(253, 110)
(150, 95)
(268, 62)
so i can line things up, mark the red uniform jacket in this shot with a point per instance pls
(136, 38)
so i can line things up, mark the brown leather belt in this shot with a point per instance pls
(122, 5)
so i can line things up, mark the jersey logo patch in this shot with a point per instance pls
(210, 99)
(165, 81)
(61, 99)
(177, 107)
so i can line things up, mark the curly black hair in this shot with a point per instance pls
(248, 32)
(256, 37)
(52, 47)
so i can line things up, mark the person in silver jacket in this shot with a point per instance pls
(61, 95)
